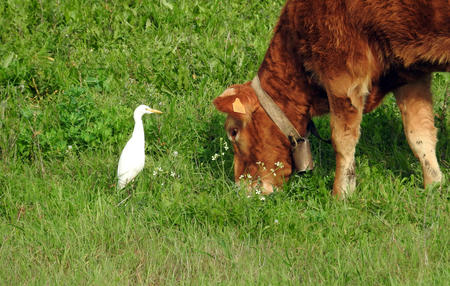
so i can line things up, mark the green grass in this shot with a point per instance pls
(71, 73)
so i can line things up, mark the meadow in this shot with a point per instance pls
(71, 74)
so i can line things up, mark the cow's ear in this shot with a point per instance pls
(235, 102)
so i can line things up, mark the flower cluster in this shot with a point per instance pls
(277, 166)
(255, 183)
(159, 171)
(225, 147)
(245, 176)
(261, 165)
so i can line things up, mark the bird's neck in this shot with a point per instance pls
(138, 130)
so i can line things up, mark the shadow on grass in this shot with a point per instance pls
(216, 153)
(382, 143)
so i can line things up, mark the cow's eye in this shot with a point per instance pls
(233, 133)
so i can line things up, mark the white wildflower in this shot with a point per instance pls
(279, 164)
(258, 192)
(262, 198)
(172, 174)
(225, 145)
(214, 157)
(276, 221)
(155, 173)
(175, 153)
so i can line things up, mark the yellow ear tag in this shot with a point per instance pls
(238, 107)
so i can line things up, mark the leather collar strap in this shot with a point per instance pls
(276, 114)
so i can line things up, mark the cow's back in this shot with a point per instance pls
(401, 31)
(411, 30)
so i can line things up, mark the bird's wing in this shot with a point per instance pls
(131, 160)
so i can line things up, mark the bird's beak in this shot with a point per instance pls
(153, 110)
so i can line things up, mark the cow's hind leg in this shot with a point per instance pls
(415, 103)
(346, 108)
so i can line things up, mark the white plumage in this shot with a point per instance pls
(132, 159)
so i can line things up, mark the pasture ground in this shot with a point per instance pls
(71, 73)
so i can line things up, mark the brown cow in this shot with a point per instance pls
(342, 57)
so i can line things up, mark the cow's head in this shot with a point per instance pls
(262, 153)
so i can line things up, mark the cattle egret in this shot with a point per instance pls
(132, 159)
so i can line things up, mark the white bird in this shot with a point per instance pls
(132, 159)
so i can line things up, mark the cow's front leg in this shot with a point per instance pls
(345, 117)
(415, 103)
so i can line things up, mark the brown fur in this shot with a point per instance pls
(342, 57)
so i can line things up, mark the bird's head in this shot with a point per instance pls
(144, 109)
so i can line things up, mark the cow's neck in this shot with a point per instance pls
(283, 77)
(280, 79)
